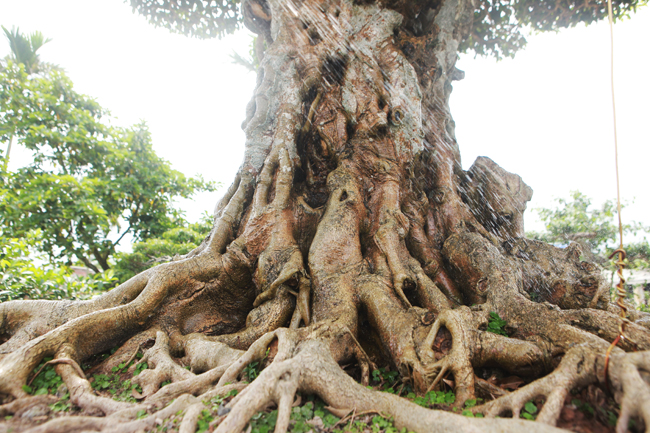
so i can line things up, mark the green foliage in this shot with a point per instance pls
(63, 405)
(529, 411)
(595, 228)
(251, 371)
(217, 400)
(386, 379)
(612, 419)
(470, 404)
(203, 422)
(584, 407)
(87, 181)
(432, 398)
(383, 424)
(46, 381)
(26, 275)
(120, 390)
(140, 368)
(153, 251)
(264, 422)
(496, 324)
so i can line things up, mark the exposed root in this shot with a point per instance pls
(629, 374)
(302, 311)
(22, 404)
(125, 354)
(458, 360)
(311, 369)
(81, 391)
(203, 354)
(119, 423)
(164, 368)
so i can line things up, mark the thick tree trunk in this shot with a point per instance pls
(350, 234)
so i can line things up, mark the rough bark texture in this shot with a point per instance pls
(351, 234)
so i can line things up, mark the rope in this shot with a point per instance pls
(620, 262)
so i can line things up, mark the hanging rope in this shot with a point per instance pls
(620, 252)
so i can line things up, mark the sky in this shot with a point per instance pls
(545, 115)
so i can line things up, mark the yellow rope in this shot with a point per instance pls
(620, 262)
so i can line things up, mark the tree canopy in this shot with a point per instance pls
(498, 29)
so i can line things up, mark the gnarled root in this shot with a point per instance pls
(629, 375)
(307, 365)
(575, 369)
(458, 360)
(164, 368)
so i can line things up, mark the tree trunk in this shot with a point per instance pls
(351, 234)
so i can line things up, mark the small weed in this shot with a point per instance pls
(217, 400)
(386, 378)
(432, 398)
(140, 368)
(46, 382)
(529, 412)
(612, 419)
(469, 404)
(377, 424)
(252, 371)
(203, 423)
(496, 324)
(63, 405)
(120, 390)
(264, 422)
(585, 408)
(141, 414)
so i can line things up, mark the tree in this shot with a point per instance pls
(172, 244)
(595, 229)
(87, 180)
(351, 236)
(23, 50)
(23, 277)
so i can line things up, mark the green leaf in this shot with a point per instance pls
(530, 407)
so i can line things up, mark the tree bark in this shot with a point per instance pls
(351, 234)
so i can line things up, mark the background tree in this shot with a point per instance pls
(24, 48)
(352, 236)
(23, 51)
(89, 184)
(594, 228)
(27, 275)
(172, 244)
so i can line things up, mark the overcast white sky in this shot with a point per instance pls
(546, 115)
